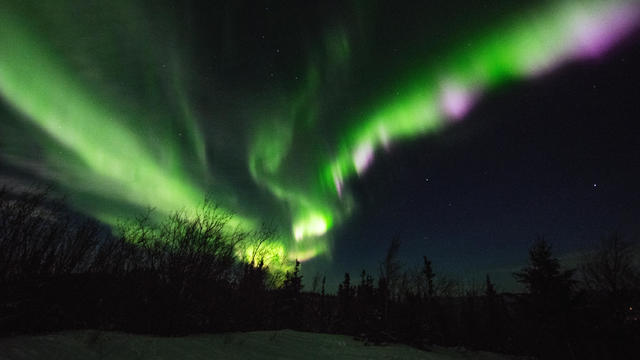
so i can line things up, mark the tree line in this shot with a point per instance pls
(184, 274)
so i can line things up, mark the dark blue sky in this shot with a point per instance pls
(558, 157)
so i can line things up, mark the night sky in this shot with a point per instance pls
(464, 129)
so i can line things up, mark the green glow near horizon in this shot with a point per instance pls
(156, 153)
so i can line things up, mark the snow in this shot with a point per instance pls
(283, 344)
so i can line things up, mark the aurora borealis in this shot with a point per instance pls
(125, 105)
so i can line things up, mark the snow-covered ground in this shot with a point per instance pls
(283, 344)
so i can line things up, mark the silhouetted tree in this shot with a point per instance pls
(489, 289)
(493, 315)
(543, 277)
(611, 268)
(39, 237)
(251, 297)
(548, 300)
(389, 273)
(345, 290)
(612, 280)
(365, 288)
(292, 306)
(293, 281)
(428, 273)
(345, 303)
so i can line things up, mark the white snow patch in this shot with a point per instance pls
(283, 344)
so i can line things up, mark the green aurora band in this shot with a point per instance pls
(115, 149)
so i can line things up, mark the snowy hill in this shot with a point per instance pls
(283, 344)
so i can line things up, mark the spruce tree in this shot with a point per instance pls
(429, 275)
